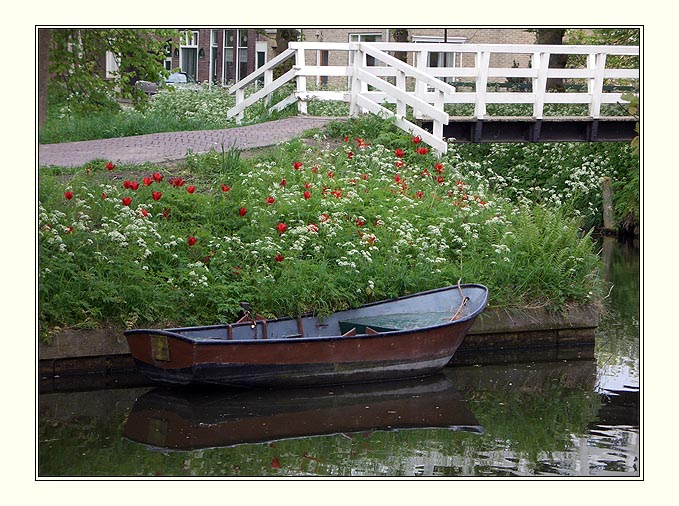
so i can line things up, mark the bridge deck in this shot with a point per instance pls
(548, 129)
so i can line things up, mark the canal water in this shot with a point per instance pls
(575, 418)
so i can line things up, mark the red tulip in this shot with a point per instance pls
(417, 139)
(191, 189)
(397, 178)
(281, 227)
(314, 169)
(110, 166)
(127, 201)
(177, 182)
(350, 154)
(134, 185)
(308, 186)
(156, 195)
(166, 212)
(275, 463)
(242, 211)
(360, 222)
(331, 174)
(270, 200)
(68, 195)
(147, 181)
(104, 196)
(283, 183)
(312, 227)
(399, 163)
(225, 188)
(439, 167)
(279, 258)
(422, 151)
(307, 195)
(157, 177)
(190, 240)
(323, 217)
(144, 212)
(399, 153)
(297, 165)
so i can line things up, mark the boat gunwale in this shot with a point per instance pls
(175, 332)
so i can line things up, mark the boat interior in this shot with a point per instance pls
(428, 309)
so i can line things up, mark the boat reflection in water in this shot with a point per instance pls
(190, 419)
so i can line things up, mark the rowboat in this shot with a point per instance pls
(187, 419)
(405, 337)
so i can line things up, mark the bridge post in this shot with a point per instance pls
(420, 86)
(541, 62)
(401, 85)
(482, 63)
(301, 81)
(608, 210)
(268, 79)
(240, 96)
(356, 84)
(595, 86)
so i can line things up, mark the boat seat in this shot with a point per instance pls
(392, 322)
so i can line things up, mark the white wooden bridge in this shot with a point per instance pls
(416, 95)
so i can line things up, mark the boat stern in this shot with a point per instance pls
(162, 356)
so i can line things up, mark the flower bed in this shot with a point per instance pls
(294, 231)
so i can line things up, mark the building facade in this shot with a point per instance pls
(226, 55)
(219, 55)
(450, 35)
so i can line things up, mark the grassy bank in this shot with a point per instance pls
(298, 229)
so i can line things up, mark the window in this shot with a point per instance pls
(167, 63)
(323, 59)
(261, 49)
(242, 54)
(229, 60)
(188, 54)
(235, 54)
(213, 55)
(443, 58)
(364, 37)
(112, 65)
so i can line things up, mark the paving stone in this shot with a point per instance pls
(170, 146)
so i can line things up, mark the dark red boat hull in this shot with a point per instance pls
(172, 357)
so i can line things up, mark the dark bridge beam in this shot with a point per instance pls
(551, 129)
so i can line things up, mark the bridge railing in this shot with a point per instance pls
(373, 77)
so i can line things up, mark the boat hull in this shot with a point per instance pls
(173, 357)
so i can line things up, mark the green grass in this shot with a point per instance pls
(368, 229)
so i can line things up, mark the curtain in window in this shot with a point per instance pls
(190, 62)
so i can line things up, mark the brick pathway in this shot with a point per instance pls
(170, 146)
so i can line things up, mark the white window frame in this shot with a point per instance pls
(112, 65)
(189, 40)
(437, 39)
(214, 37)
(358, 37)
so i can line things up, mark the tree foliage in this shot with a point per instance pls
(78, 64)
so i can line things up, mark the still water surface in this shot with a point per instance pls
(568, 418)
